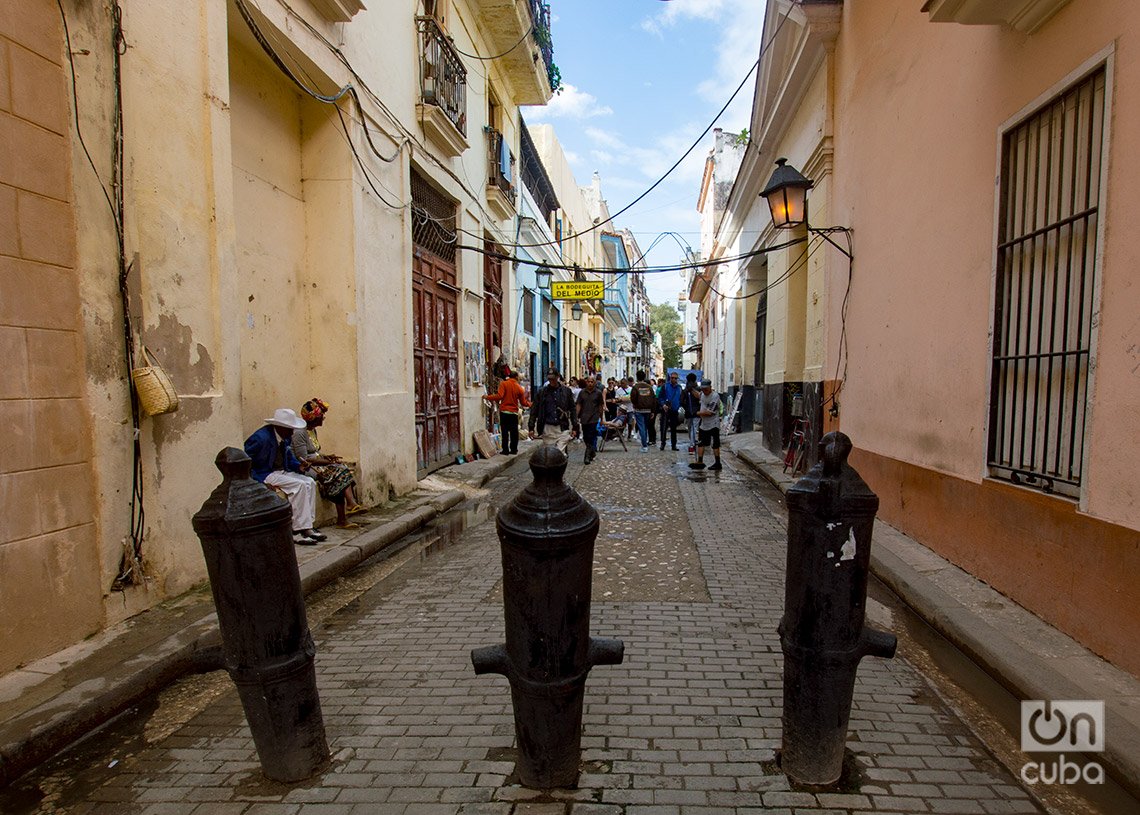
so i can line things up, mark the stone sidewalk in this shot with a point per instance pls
(1023, 653)
(688, 572)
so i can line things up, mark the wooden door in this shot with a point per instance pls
(435, 346)
(493, 342)
(493, 304)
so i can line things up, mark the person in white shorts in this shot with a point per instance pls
(270, 450)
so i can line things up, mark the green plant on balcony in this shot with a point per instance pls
(543, 38)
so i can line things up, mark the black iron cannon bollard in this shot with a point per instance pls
(547, 537)
(831, 515)
(246, 539)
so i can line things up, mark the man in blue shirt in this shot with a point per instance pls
(270, 450)
(670, 401)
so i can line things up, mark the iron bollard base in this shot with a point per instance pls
(817, 705)
(284, 716)
(548, 727)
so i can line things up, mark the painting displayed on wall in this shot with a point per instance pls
(473, 363)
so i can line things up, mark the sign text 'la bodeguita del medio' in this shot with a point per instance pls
(577, 290)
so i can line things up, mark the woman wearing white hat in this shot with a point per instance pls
(274, 464)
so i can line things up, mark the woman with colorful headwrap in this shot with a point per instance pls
(334, 478)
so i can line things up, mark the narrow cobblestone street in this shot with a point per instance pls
(688, 572)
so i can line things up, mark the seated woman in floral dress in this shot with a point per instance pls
(334, 478)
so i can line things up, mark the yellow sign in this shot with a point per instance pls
(578, 290)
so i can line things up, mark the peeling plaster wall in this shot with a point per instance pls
(263, 200)
(179, 241)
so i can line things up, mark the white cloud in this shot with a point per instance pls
(678, 10)
(740, 23)
(604, 138)
(569, 103)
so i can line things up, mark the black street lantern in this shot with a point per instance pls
(786, 194)
(543, 274)
(576, 310)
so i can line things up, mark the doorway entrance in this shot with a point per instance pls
(435, 328)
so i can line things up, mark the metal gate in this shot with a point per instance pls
(435, 328)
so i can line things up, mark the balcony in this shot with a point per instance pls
(442, 109)
(1022, 15)
(529, 64)
(338, 11)
(500, 175)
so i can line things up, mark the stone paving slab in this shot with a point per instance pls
(58, 699)
(689, 723)
(1022, 652)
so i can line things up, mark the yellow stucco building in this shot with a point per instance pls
(268, 235)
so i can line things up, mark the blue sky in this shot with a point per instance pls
(642, 79)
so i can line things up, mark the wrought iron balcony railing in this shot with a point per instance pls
(540, 14)
(443, 79)
(500, 163)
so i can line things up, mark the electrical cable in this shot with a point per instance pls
(410, 138)
(843, 351)
(645, 270)
(522, 39)
(794, 267)
(677, 163)
(360, 163)
(277, 60)
(79, 129)
(677, 239)
(334, 99)
(130, 564)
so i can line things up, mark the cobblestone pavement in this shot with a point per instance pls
(689, 572)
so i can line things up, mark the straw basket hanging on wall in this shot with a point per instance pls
(152, 384)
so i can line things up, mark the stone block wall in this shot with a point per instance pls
(49, 577)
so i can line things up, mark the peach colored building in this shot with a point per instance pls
(982, 155)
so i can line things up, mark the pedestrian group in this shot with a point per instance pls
(564, 411)
(286, 453)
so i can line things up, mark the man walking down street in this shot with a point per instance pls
(691, 403)
(511, 398)
(644, 400)
(552, 414)
(709, 413)
(591, 409)
(670, 401)
(270, 450)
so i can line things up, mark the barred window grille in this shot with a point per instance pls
(1045, 288)
(433, 219)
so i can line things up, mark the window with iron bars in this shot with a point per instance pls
(1045, 290)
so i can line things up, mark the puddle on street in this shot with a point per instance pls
(729, 475)
(445, 531)
(94, 763)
